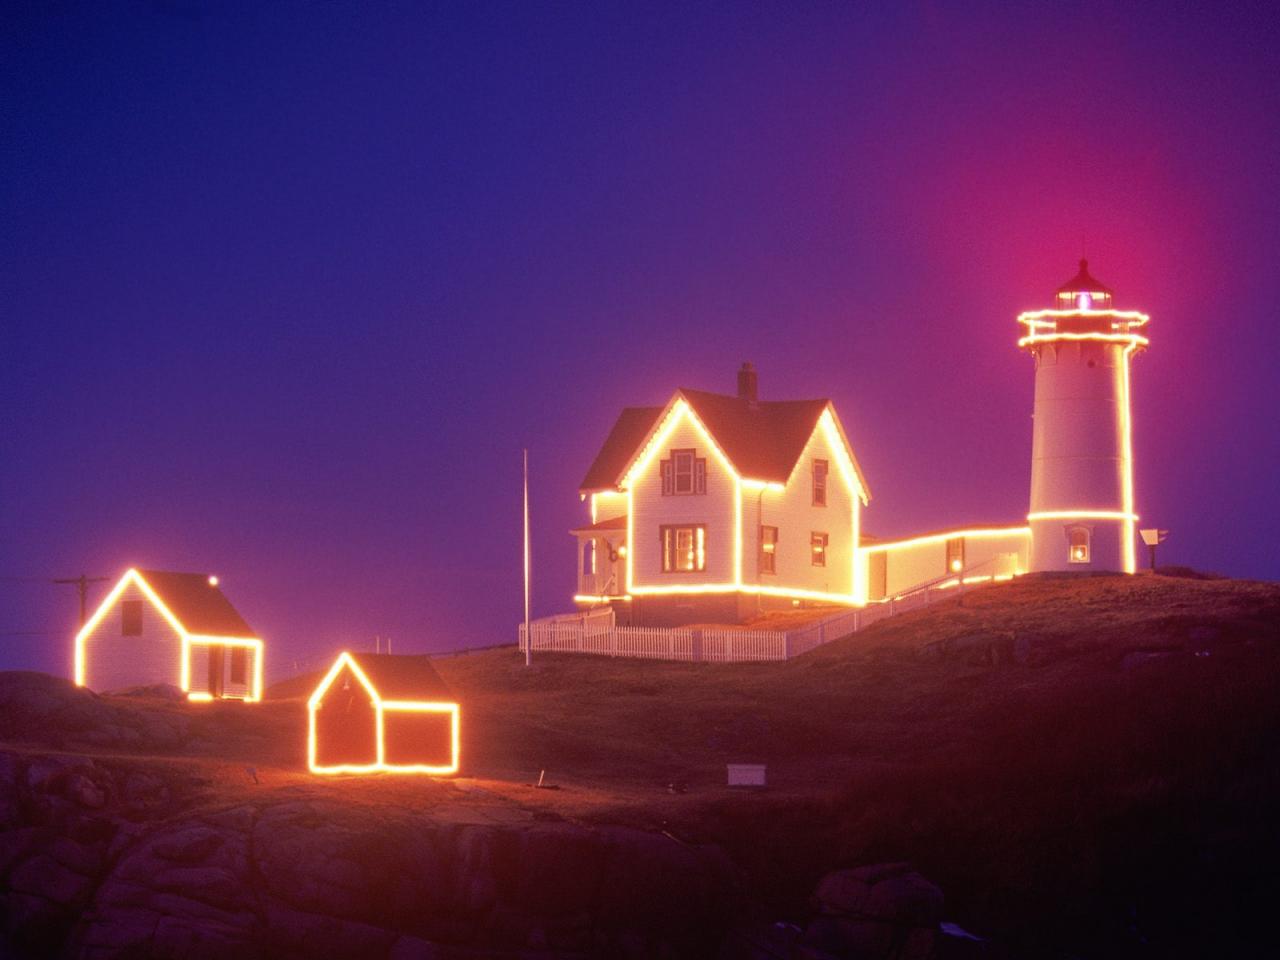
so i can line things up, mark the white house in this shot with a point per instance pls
(713, 507)
(158, 627)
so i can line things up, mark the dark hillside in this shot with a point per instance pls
(1085, 766)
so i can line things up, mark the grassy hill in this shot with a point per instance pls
(1084, 764)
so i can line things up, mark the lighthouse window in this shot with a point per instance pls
(1078, 545)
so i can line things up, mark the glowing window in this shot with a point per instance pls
(685, 473)
(955, 554)
(684, 548)
(818, 549)
(819, 483)
(1078, 545)
(131, 618)
(768, 549)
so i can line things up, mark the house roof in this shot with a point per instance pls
(402, 676)
(630, 429)
(762, 439)
(200, 606)
(601, 526)
(1083, 282)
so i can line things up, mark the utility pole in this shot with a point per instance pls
(528, 634)
(82, 583)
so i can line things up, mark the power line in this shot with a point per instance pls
(82, 583)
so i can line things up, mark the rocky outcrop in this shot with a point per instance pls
(881, 912)
(100, 860)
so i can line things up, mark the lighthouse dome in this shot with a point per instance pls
(1084, 292)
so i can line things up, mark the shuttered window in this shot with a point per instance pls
(684, 473)
(768, 549)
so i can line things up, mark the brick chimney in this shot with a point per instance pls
(747, 385)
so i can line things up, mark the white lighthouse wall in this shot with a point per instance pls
(1077, 443)
(1050, 542)
(1078, 453)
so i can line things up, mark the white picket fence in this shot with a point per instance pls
(597, 632)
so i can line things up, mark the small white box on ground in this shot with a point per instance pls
(746, 774)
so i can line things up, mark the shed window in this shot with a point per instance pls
(1078, 545)
(818, 549)
(768, 549)
(131, 618)
(684, 548)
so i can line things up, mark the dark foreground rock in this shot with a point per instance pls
(101, 861)
(873, 913)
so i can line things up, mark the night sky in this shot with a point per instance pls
(286, 288)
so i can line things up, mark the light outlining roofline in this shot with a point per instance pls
(1083, 515)
(1132, 318)
(1132, 339)
(976, 533)
(599, 597)
(185, 638)
(381, 708)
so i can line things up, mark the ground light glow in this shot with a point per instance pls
(381, 708)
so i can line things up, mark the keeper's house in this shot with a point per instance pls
(157, 627)
(714, 507)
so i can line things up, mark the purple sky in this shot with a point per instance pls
(286, 289)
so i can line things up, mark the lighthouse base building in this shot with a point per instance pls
(714, 508)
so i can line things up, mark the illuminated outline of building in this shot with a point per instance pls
(195, 639)
(1081, 516)
(406, 700)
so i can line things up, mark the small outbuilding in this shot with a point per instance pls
(159, 627)
(382, 713)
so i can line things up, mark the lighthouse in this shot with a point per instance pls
(1082, 514)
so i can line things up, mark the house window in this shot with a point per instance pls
(818, 549)
(1078, 545)
(955, 554)
(768, 549)
(239, 660)
(131, 618)
(684, 548)
(685, 473)
(819, 483)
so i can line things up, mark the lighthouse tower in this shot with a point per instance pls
(1082, 510)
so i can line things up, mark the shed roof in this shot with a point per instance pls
(402, 676)
(199, 605)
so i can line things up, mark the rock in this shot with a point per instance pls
(85, 792)
(45, 877)
(874, 912)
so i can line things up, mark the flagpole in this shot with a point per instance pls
(528, 634)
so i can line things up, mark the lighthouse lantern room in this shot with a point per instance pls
(1082, 514)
